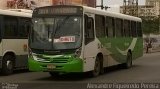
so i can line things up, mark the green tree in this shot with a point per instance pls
(150, 26)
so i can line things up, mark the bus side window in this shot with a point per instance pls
(100, 26)
(106, 26)
(24, 27)
(127, 31)
(119, 27)
(10, 27)
(134, 29)
(89, 29)
(110, 27)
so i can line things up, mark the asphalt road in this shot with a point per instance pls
(145, 70)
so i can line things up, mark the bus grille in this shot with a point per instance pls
(59, 61)
(55, 60)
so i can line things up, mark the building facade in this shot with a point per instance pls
(156, 4)
(31, 4)
(150, 10)
(91, 3)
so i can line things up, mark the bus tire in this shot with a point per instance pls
(7, 65)
(128, 63)
(54, 74)
(97, 68)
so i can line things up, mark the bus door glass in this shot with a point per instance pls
(89, 29)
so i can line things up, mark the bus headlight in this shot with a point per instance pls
(29, 53)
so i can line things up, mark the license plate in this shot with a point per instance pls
(51, 66)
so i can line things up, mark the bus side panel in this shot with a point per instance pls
(138, 50)
(90, 52)
(18, 46)
(110, 46)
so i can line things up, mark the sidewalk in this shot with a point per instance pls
(153, 50)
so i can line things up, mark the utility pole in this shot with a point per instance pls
(102, 4)
(124, 7)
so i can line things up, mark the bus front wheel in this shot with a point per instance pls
(7, 65)
(97, 68)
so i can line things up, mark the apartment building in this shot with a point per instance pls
(150, 10)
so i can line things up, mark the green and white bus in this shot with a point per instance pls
(67, 39)
(14, 27)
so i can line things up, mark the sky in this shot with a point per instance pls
(114, 4)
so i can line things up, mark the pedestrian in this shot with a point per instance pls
(149, 47)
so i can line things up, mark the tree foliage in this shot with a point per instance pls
(150, 26)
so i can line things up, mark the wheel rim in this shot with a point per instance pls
(97, 68)
(9, 64)
(129, 61)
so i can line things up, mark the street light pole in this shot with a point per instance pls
(102, 6)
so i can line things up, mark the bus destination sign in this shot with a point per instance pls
(59, 10)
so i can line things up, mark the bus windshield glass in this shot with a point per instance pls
(56, 33)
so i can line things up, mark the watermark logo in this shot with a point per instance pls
(9, 86)
(123, 86)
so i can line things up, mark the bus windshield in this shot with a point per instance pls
(56, 33)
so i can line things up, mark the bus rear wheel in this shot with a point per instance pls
(128, 63)
(7, 65)
(97, 68)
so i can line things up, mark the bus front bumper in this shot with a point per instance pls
(72, 66)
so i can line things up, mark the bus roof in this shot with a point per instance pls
(15, 13)
(111, 14)
(102, 12)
